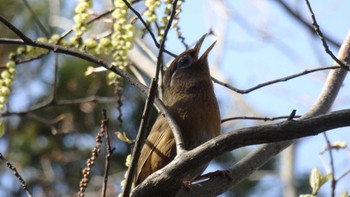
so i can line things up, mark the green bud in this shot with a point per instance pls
(21, 50)
(148, 13)
(5, 74)
(105, 42)
(90, 43)
(5, 90)
(81, 7)
(10, 64)
(42, 39)
(77, 19)
(7, 81)
(12, 56)
(54, 38)
(12, 71)
(3, 99)
(84, 16)
(111, 76)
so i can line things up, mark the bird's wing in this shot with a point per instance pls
(153, 157)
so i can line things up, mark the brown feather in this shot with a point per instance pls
(189, 97)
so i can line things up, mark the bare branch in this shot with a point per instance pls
(36, 19)
(343, 175)
(284, 79)
(147, 28)
(19, 177)
(331, 158)
(65, 34)
(51, 102)
(15, 30)
(109, 152)
(324, 42)
(257, 118)
(302, 21)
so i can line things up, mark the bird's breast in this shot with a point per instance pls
(198, 119)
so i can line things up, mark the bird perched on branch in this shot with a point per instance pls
(190, 99)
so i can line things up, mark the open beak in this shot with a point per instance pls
(198, 47)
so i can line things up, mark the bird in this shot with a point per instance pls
(189, 97)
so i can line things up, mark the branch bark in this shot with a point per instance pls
(169, 179)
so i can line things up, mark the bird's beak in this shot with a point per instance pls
(198, 47)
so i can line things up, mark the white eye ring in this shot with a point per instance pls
(185, 61)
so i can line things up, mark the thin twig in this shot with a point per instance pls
(16, 31)
(304, 22)
(142, 133)
(324, 42)
(176, 132)
(162, 43)
(331, 158)
(257, 118)
(240, 91)
(109, 151)
(19, 177)
(18, 60)
(147, 28)
(141, 136)
(50, 102)
(55, 74)
(92, 160)
(344, 174)
(36, 19)
(65, 34)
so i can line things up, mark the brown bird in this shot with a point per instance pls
(189, 97)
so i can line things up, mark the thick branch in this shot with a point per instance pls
(169, 179)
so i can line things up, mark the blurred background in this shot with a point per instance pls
(257, 41)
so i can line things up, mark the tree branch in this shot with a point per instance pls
(169, 179)
(17, 175)
(323, 40)
(302, 21)
(257, 118)
(36, 19)
(147, 28)
(283, 79)
(51, 102)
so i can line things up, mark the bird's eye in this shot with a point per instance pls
(184, 61)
